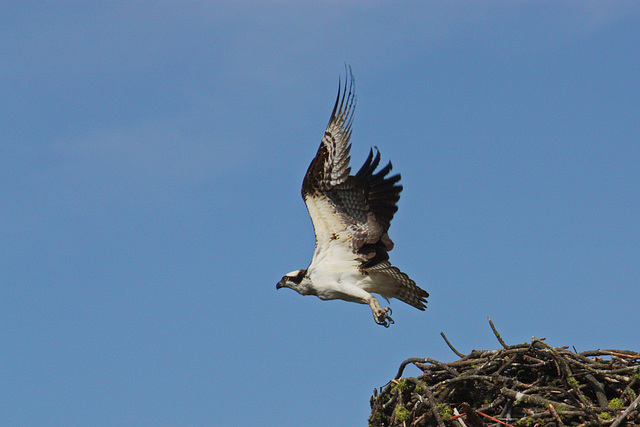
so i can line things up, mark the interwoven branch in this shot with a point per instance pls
(527, 384)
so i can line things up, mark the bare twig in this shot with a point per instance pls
(423, 360)
(598, 389)
(553, 411)
(458, 417)
(495, 332)
(528, 398)
(434, 407)
(450, 346)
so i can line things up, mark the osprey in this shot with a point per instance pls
(351, 216)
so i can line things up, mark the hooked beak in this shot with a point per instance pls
(281, 284)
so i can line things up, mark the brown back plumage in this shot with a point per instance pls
(366, 201)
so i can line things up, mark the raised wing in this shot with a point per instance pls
(330, 167)
(354, 208)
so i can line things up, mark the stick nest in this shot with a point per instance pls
(520, 385)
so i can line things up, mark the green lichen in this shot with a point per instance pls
(445, 411)
(402, 385)
(616, 403)
(573, 382)
(402, 414)
(376, 419)
(605, 415)
(419, 388)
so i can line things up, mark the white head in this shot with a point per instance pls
(298, 281)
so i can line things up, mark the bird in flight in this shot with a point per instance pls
(351, 215)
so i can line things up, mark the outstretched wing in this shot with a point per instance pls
(354, 208)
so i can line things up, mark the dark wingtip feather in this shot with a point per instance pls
(383, 192)
(345, 99)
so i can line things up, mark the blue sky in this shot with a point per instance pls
(151, 165)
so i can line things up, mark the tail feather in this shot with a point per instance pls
(407, 290)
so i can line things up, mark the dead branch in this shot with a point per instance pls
(450, 346)
(495, 332)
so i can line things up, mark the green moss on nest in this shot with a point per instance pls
(605, 415)
(402, 413)
(445, 411)
(402, 385)
(616, 403)
(573, 382)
